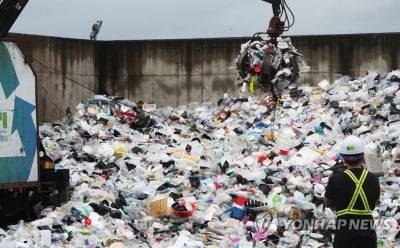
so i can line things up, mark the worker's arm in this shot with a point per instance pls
(378, 191)
(330, 194)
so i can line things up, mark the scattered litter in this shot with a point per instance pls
(195, 176)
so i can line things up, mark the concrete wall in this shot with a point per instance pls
(65, 70)
(351, 55)
(176, 72)
(168, 72)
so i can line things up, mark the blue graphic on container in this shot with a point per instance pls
(8, 78)
(16, 168)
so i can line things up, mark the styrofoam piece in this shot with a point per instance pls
(323, 84)
(304, 157)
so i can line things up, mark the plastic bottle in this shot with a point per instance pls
(303, 204)
(380, 243)
(276, 201)
(304, 238)
(289, 239)
(382, 208)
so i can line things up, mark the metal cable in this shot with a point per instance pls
(70, 79)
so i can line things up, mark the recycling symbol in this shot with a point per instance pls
(15, 166)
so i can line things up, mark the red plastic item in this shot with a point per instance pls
(88, 222)
(257, 68)
(187, 213)
(261, 158)
(283, 152)
(240, 200)
(129, 114)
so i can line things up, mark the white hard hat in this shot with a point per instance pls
(352, 145)
(352, 149)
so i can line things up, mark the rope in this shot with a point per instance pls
(70, 79)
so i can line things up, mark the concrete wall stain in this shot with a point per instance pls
(394, 56)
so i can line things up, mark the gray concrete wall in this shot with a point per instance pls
(168, 72)
(351, 55)
(176, 72)
(65, 70)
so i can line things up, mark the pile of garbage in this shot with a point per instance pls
(244, 172)
(269, 64)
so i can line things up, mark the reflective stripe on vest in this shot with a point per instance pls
(357, 192)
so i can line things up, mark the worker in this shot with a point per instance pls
(354, 193)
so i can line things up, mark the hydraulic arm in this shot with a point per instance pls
(9, 12)
(281, 21)
(276, 9)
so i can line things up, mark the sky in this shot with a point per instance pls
(187, 19)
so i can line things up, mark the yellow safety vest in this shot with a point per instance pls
(357, 192)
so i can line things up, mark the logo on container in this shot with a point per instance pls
(3, 120)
